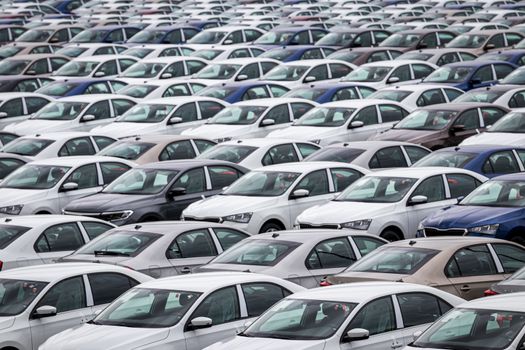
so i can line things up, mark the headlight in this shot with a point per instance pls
(243, 218)
(116, 215)
(485, 229)
(358, 224)
(223, 139)
(12, 209)
(318, 141)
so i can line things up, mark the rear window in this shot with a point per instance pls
(332, 154)
(9, 233)
(27, 147)
(127, 150)
(258, 252)
(120, 243)
(398, 260)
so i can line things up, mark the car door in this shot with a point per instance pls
(99, 113)
(280, 115)
(57, 241)
(189, 118)
(12, 111)
(69, 298)
(465, 125)
(368, 116)
(188, 188)
(86, 178)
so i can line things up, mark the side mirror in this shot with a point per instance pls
(422, 46)
(45, 311)
(460, 198)
(166, 76)
(200, 322)
(356, 334)
(475, 81)
(458, 127)
(99, 74)
(69, 186)
(174, 120)
(3, 115)
(227, 42)
(268, 122)
(53, 40)
(301, 193)
(177, 191)
(31, 72)
(309, 79)
(87, 118)
(356, 124)
(489, 47)
(392, 80)
(417, 200)
(242, 77)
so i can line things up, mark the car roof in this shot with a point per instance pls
(511, 177)
(157, 138)
(476, 148)
(308, 235)
(510, 302)
(24, 94)
(245, 60)
(76, 160)
(417, 87)
(167, 227)
(459, 106)
(260, 142)
(90, 98)
(181, 99)
(102, 58)
(267, 102)
(185, 164)
(306, 166)
(311, 63)
(499, 88)
(61, 135)
(418, 172)
(476, 63)
(445, 243)
(169, 59)
(37, 220)
(371, 144)
(359, 103)
(393, 63)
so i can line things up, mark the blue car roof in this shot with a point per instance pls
(478, 149)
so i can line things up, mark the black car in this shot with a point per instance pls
(157, 191)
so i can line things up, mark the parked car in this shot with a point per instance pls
(157, 50)
(221, 36)
(224, 52)
(243, 91)
(439, 56)
(480, 42)
(513, 284)
(330, 92)
(342, 37)
(22, 83)
(100, 66)
(114, 34)
(234, 69)
(510, 96)
(298, 52)
(516, 57)
(18, 106)
(176, 34)
(283, 36)
(90, 49)
(509, 130)
(40, 65)
(418, 39)
(162, 88)
(151, 69)
(73, 87)
(14, 49)
(362, 55)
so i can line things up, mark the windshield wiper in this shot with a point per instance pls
(110, 253)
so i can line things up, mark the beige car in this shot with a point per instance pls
(153, 148)
(464, 266)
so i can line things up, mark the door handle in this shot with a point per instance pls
(185, 270)
(465, 288)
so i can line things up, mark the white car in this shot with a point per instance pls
(163, 116)
(499, 319)
(47, 186)
(162, 88)
(101, 66)
(509, 130)
(41, 301)
(157, 50)
(184, 312)
(296, 73)
(270, 198)
(253, 118)
(509, 96)
(90, 49)
(342, 121)
(221, 53)
(226, 35)
(41, 239)
(364, 316)
(19, 106)
(418, 95)
(257, 152)
(385, 73)
(74, 113)
(59, 144)
(235, 69)
(392, 203)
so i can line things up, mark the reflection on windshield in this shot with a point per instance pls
(286, 73)
(426, 120)
(35, 177)
(141, 181)
(17, 295)
(398, 260)
(262, 184)
(497, 193)
(61, 111)
(238, 115)
(513, 122)
(325, 117)
(230, 153)
(258, 252)
(218, 71)
(146, 113)
(468, 41)
(368, 74)
(143, 70)
(120, 243)
(449, 75)
(377, 189)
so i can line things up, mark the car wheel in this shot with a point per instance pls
(270, 227)
(390, 235)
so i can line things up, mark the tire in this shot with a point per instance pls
(390, 235)
(270, 227)
(517, 238)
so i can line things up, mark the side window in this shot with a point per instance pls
(255, 93)
(511, 257)
(298, 109)
(513, 38)
(280, 154)
(81, 146)
(233, 38)
(339, 70)
(177, 90)
(471, 261)
(221, 306)
(317, 34)
(106, 50)
(501, 163)
(432, 188)
(203, 145)
(103, 141)
(125, 64)
(57, 63)
(95, 229)
(306, 149)
(192, 244)
(120, 106)
(193, 181)
(260, 297)
(8, 165)
(502, 70)
(251, 71)
(178, 150)
(343, 177)
(39, 67)
(415, 153)
(497, 40)
(316, 183)
(452, 94)
(348, 93)
(175, 37)
(319, 73)
(99, 110)
(431, 97)
(301, 38)
(420, 308)
(251, 35)
(108, 68)
(449, 57)
(112, 170)
(98, 88)
(367, 244)
(187, 112)
(13, 108)
(106, 287)
(363, 40)
(277, 91)
(279, 114)
(194, 66)
(33, 104)
(312, 54)
(467, 56)
(332, 253)
(445, 38)
(378, 56)
(116, 36)
(518, 99)
(66, 295)
(85, 177)
(366, 91)
(403, 73)
(28, 85)
(429, 41)
(391, 113)
(389, 157)
(483, 74)
(421, 70)
(367, 115)
(377, 317)
(491, 115)
(240, 53)
(175, 69)
(469, 119)
(228, 237)
(222, 176)
(267, 66)
(170, 52)
(60, 36)
(60, 238)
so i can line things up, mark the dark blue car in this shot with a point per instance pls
(74, 87)
(487, 160)
(494, 209)
(164, 35)
(329, 92)
(242, 91)
(299, 52)
(516, 56)
(471, 74)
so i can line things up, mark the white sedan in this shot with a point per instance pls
(341, 121)
(270, 198)
(19, 106)
(510, 96)
(101, 66)
(162, 88)
(184, 312)
(235, 69)
(392, 203)
(223, 36)
(509, 130)
(41, 301)
(363, 316)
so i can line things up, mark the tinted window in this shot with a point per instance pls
(332, 253)
(106, 287)
(415, 153)
(390, 157)
(121, 106)
(13, 108)
(367, 244)
(260, 297)
(431, 97)
(81, 146)
(339, 70)
(469, 119)
(99, 110)
(461, 185)
(203, 145)
(421, 70)
(471, 261)
(298, 109)
(432, 188)
(419, 308)
(209, 109)
(192, 244)
(306, 149)
(67, 295)
(367, 115)
(221, 306)
(491, 115)
(60, 238)
(177, 150)
(279, 114)
(33, 104)
(192, 181)
(512, 258)
(502, 70)
(222, 176)
(187, 113)
(110, 171)
(102, 142)
(316, 183)
(377, 317)
(280, 154)
(501, 163)
(95, 229)
(342, 178)
(228, 237)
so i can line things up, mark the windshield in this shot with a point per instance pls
(517, 77)
(419, 56)
(495, 57)
(335, 154)
(238, 115)
(61, 111)
(488, 96)
(377, 189)
(278, 54)
(17, 295)
(219, 92)
(230, 153)
(336, 39)
(35, 177)
(90, 36)
(392, 95)
(71, 51)
(127, 150)
(449, 159)
(262, 184)
(141, 181)
(137, 52)
(449, 75)
(514, 122)
(147, 308)
(8, 234)
(398, 260)
(468, 41)
(345, 56)
(274, 38)
(9, 51)
(76, 69)
(207, 37)
(497, 193)
(325, 117)
(311, 94)
(473, 329)
(426, 120)
(258, 252)
(460, 29)
(13, 67)
(120, 243)
(57, 89)
(286, 73)
(35, 35)
(401, 40)
(27, 146)
(146, 113)
(148, 36)
(138, 91)
(218, 71)
(144, 70)
(207, 54)
(368, 74)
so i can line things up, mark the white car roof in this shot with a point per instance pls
(226, 29)
(170, 59)
(102, 58)
(182, 99)
(92, 98)
(267, 102)
(510, 302)
(310, 166)
(308, 235)
(57, 135)
(417, 87)
(394, 63)
(156, 46)
(369, 144)
(90, 45)
(246, 60)
(38, 220)
(311, 63)
(420, 172)
(78, 160)
(359, 103)
(4, 95)
(261, 142)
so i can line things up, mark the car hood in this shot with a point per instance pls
(336, 212)
(88, 337)
(221, 205)
(14, 196)
(464, 216)
(496, 138)
(101, 202)
(32, 126)
(217, 131)
(403, 135)
(124, 129)
(306, 133)
(267, 344)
